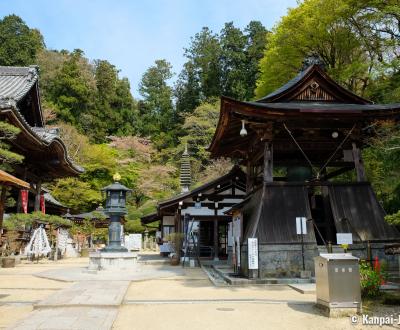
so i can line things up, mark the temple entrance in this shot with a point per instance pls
(321, 212)
(206, 239)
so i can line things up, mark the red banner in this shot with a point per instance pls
(42, 204)
(24, 200)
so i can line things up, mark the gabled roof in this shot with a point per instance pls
(320, 88)
(235, 172)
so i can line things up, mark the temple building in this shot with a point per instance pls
(45, 154)
(205, 208)
(296, 145)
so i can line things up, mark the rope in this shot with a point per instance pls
(329, 159)
(298, 145)
(337, 149)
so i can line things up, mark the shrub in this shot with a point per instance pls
(370, 280)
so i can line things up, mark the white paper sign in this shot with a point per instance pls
(230, 234)
(236, 227)
(344, 238)
(252, 245)
(301, 225)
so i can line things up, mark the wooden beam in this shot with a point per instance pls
(268, 162)
(336, 173)
(358, 163)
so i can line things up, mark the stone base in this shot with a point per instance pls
(338, 310)
(112, 260)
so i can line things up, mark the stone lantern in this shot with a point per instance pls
(115, 195)
(114, 256)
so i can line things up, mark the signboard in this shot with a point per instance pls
(133, 242)
(252, 245)
(344, 238)
(301, 225)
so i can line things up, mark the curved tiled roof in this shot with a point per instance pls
(16, 82)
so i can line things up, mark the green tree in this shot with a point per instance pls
(8, 132)
(157, 112)
(18, 43)
(187, 90)
(346, 34)
(204, 53)
(73, 90)
(233, 62)
(256, 43)
(200, 127)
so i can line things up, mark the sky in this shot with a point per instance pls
(132, 34)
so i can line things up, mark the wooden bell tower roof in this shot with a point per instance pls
(311, 106)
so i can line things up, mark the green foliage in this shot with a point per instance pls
(350, 36)
(224, 64)
(20, 220)
(199, 128)
(18, 43)
(8, 132)
(393, 219)
(370, 280)
(157, 114)
(382, 161)
(76, 194)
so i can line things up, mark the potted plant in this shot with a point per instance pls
(176, 244)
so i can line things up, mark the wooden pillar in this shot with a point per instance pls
(358, 164)
(19, 202)
(37, 197)
(2, 206)
(268, 162)
(216, 234)
(248, 176)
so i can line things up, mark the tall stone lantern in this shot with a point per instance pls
(114, 256)
(115, 195)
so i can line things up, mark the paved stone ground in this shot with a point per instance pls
(88, 293)
(69, 318)
(154, 296)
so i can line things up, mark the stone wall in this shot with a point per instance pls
(284, 260)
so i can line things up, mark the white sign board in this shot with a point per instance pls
(236, 227)
(133, 242)
(344, 238)
(230, 234)
(252, 245)
(301, 225)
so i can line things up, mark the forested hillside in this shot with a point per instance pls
(107, 130)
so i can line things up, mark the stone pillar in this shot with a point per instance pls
(114, 235)
(358, 163)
